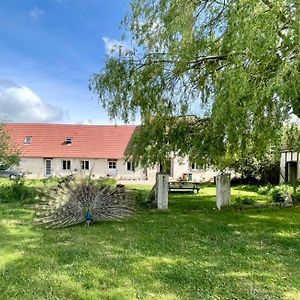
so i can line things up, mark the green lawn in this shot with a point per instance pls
(191, 251)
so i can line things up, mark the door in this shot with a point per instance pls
(291, 171)
(48, 167)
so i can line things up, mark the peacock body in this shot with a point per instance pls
(67, 203)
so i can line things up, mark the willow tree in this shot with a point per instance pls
(210, 79)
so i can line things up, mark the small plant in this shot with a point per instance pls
(108, 181)
(244, 201)
(278, 193)
(296, 197)
(17, 191)
(263, 190)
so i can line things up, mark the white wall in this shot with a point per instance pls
(35, 167)
(182, 165)
(285, 157)
(99, 168)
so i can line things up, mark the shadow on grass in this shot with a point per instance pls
(191, 201)
(188, 252)
(246, 188)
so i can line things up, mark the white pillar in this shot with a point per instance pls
(162, 188)
(223, 190)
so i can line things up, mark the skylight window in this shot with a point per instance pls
(68, 140)
(27, 140)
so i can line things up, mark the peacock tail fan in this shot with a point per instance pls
(67, 203)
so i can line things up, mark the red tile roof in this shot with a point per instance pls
(89, 141)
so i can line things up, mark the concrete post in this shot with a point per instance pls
(223, 190)
(162, 188)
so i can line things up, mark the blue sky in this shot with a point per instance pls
(48, 51)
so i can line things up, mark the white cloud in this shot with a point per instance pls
(36, 13)
(21, 104)
(113, 46)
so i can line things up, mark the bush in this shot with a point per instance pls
(244, 201)
(296, 197)
(109, 181)
(51, 179)
(264, 190)
(278, 192)
(17, 191)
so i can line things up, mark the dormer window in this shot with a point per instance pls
(68, 140)
(27, 140)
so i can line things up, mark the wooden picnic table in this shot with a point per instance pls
(184, 185)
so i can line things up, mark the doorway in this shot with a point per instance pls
(291, 172)
(48, 167)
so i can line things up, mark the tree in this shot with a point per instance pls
(9, 155)
(232, 64)
(291, 137)
(253, 171)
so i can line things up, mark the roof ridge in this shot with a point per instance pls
(69, 124)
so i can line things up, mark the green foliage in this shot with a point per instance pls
(54, 180)
(296, 197)
(9, 154)
(108, 181)
(234, 65)
(141, 199)
(258, 171)
(244, 201)
(51, 180)
(17, 190)
(279, 192)
(263, 190)
(291, 137)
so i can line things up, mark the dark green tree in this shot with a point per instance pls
(211, 79)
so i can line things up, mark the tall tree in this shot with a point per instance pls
(232, 64)
(9, 154)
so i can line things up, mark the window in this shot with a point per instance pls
(112, 163)
(130, 166)
(66, 165)
(68, 140)
(85, 164)
(194, 166)
(27, 140)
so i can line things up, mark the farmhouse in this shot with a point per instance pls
(64, 149)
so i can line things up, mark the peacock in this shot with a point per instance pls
(68, 202)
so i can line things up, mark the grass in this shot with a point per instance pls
(190, 251)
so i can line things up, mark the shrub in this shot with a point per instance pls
(278, 192)
(264, 190)
(17, 191)
(51, 179)
(296, 197)
(244, 201)
(109, 181)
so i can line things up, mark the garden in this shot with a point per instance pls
(190, 251)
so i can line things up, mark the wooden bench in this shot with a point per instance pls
(184, 185)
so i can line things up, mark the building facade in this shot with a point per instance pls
(289, 167)
(61, 149)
